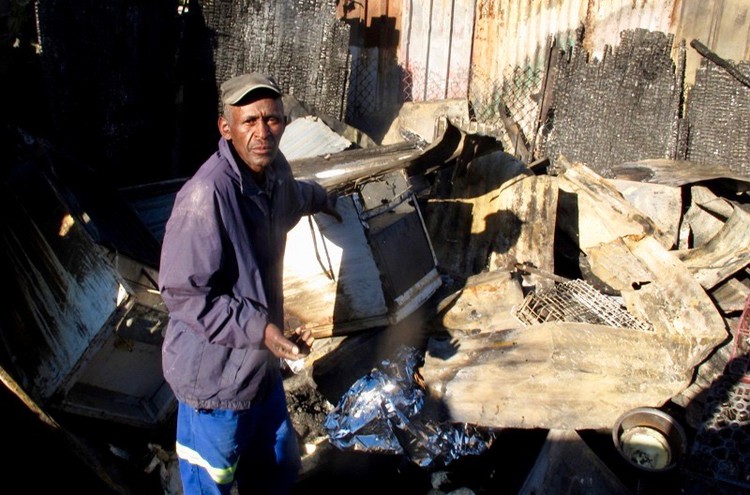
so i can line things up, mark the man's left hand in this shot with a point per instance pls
(330, 207)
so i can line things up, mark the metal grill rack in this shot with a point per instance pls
(721, 450)
(575, 301)
(739, 362)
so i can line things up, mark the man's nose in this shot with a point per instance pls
(263, 129)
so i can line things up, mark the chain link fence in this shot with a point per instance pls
(512, 103)
(507, 108)
(362, 97)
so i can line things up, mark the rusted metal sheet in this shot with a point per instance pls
(575, 375)
(514, 33)
(57, 277)
(415, 50)
(606, 19)
(468, 221)
(724, 254)
(525, 236)
(376, 81)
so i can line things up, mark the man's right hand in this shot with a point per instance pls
(279, 345)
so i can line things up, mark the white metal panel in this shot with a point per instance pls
(330, 275)
(416, 29)
(438, 58)
(460, 41)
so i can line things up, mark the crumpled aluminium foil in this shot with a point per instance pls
(381, 413)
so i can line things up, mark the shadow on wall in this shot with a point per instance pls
(131, 86)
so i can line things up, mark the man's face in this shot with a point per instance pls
(254, 128)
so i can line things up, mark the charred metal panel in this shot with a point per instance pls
(403, 252)
(512, 51)
(718, 109)
(626, 107)
(302, 44)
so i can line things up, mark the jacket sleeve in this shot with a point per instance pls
(192, 281)
(312, 197)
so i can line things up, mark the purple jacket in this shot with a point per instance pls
(221, 278)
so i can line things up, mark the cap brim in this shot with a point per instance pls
(257, 87)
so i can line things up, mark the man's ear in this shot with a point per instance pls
(224, 128)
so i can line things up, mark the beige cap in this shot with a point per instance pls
(235, 89)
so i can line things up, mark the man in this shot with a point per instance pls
(221, 279)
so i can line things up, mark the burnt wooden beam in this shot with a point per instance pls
(724, 64)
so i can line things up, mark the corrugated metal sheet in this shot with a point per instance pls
(515, 32)
(308, 137)
(497, 53)
(606, 19)
(722, 25)
(512, 33)
(436, 47)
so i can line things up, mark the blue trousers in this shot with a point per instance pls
(256, 448)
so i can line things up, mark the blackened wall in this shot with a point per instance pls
(133, 85)
(301, 43)
(625, 107)
(109, 70)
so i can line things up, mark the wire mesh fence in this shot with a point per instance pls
(506, 107)
(511, 101)
(362, 99)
